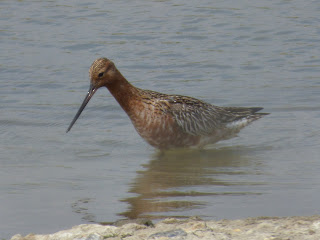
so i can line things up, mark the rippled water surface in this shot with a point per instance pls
(228, 53)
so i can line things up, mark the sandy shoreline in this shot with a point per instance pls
(276, 228)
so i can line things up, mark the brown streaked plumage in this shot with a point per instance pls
(168, 121)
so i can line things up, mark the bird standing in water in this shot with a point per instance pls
(168, 121)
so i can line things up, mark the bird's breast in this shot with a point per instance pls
(159, 128)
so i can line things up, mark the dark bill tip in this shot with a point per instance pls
(89, 95)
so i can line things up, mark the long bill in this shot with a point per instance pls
(89, 95)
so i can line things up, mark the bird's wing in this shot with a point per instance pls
(196, 117)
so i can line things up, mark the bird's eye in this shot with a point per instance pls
(100, 74)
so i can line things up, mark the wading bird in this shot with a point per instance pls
(168, 121)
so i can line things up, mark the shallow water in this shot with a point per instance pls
(227, 53)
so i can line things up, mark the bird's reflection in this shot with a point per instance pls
(175, 181)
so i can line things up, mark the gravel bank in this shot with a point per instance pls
(293, 228)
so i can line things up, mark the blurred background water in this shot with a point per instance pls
(228, 53)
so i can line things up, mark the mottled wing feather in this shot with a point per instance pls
(196, 117)
(245, 112)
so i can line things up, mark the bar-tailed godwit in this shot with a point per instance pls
(168, 121)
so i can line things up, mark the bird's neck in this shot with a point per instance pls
(123, 91)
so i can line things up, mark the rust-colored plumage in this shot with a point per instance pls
(168, 121)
